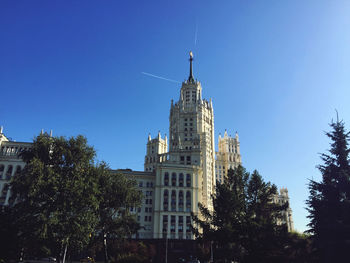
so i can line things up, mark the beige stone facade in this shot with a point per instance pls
(283, 198)
(184, 174)
(227, 157)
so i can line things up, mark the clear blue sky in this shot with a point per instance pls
(276, 71)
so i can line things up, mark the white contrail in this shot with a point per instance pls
(195, 34)
(158, 77)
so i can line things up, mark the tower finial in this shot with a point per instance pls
(191, 78)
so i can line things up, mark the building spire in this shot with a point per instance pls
(191, 78)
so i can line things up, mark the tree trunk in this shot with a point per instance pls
(105, 247)
(65, 252)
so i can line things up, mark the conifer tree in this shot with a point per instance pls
(243, 224)
(329, 200)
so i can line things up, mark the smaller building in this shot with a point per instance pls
(144, 214)
(10, 164)
(227, 157)
(282, 198)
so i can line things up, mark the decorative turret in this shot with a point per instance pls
(155, 148)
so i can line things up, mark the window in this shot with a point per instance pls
(165, 225)
(166, 179)
(181, 179)
(140, 184)
(145, 218)
(173, 200)
(180, 224)
(165, 200)
(2, 168)
(188, 224)
(139, 209)
(188, 201)
(188, 159)
(188, 180)
(173, 179)
(4, 193)
(9, 172)
(172, 224)
(181, 201)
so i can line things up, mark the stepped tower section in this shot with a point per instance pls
(185, 175)
(227, 157)
(191, 133)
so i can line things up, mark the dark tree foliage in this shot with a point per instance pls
(56, 194)
(329, 200)
(64, 200)
(9, 241)
(243, 225)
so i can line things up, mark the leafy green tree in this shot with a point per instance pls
(329, 200)
(116, 195)
(242, 224)
(57, 194)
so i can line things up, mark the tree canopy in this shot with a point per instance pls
(243, 224)
(329, 200)
(63, 198)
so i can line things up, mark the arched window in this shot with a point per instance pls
(181, 201)
(173, 200)
(165, 226)
(18, 170)
(166, 179)
(181, 179)
(188, 180)
(173, 179)
(2, 168)
(166, 200)
(188, 201)
(9, 172)
(4, 193)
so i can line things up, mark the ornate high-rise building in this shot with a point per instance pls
(180, 171)
(184, 175)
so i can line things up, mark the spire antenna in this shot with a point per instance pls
(191, 78)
